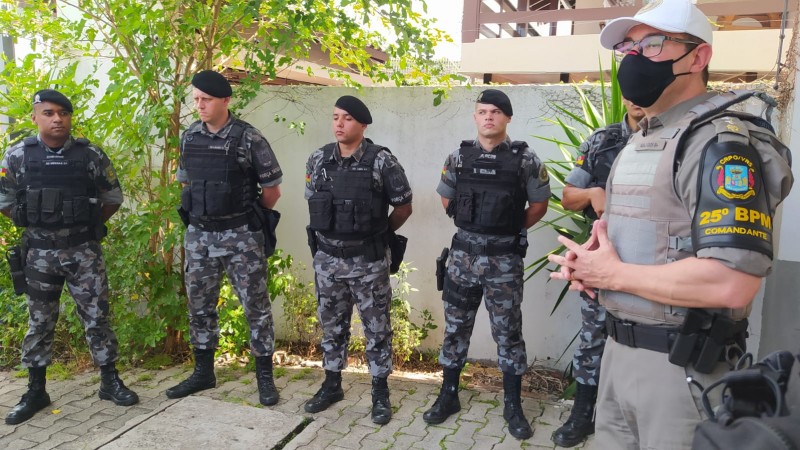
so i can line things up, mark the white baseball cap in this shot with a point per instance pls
(672, 16)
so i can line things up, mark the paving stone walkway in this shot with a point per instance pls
(78, 419)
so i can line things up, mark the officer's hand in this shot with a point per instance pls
(598, 199)
(588, 266)
(566, 273)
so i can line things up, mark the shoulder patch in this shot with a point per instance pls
(544, 177)
(733, 177)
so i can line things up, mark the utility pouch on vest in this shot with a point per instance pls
(692, 329)
(320, 210)
(218, 198)
(79, 210)
(464, 207)
(19, 214)
(397, 245)
(33, 198)
(16, 264)
(723, 331)
(441, 269)
(51, 206)
(345, 217)
(312, 240)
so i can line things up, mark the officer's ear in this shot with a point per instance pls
(701, 58)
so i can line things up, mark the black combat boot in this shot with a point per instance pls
(267, 394)
(32, 401)
(518, 425)
(201, 379)
(330, 393)
(581, 420)
(112, 388)
(381, 408)
(447, 403)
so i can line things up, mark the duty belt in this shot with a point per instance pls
(484, 249)
(72, 240)
(649, 337)
(220, 224)
(375, 246)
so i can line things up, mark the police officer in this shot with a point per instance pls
(687, 233)
(350, 185)
(226, 166)
(62, 189)
(584, 190)
(494, 189)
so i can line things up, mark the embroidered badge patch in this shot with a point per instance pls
(733, 178)
(581, 159)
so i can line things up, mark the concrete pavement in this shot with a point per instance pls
(78, 419)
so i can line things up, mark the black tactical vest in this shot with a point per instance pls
(56, 191)
(346, 204)
(218, 185)
(490, 198)
(602, 158)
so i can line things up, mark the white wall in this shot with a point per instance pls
(421, 136)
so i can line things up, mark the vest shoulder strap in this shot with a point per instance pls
(714, 109)
(518, 146)
(236, 134)
(371, 152)
(327, 151)
(30, 141)
(82, 141)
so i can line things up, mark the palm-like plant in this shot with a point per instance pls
(577, 127)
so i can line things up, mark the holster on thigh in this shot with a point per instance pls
(463, 297)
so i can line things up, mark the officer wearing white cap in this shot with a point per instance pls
(687, 234)
(230, 179)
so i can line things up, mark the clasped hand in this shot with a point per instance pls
(590, 265)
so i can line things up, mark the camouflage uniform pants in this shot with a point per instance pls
(241, 253)
(586, 361)
(84, 270)
(498, 279)
(372, 293)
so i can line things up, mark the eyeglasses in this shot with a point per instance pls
(650, 46)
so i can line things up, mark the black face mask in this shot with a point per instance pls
(642, 81)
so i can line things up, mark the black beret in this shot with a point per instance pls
(212, 83)
(355, 107)
(52, 96)
(496, 98)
